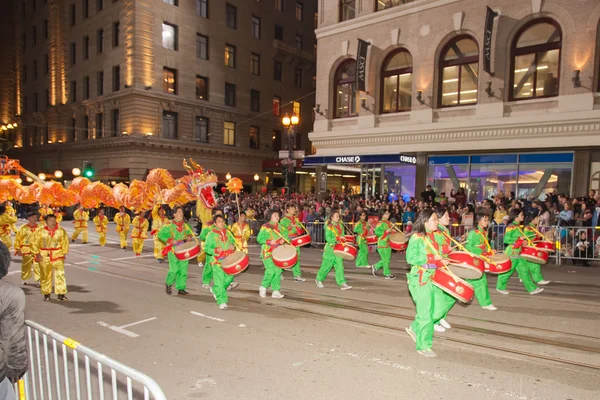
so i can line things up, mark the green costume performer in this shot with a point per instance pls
(207, 273)
(534, 269)
(219, 244)
(293, 227)
(272, 278)
(512, 239)
(382, 230)
(333, 234)
(444, 303)
(478, 244)
(361, 230)
(173, 234)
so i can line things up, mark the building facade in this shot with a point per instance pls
(492, 96)
(131, 85)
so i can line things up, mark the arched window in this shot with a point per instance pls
(345, 90)
(535, 55)
(397, 82)
(459, 72)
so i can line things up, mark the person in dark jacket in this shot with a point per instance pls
(13, 350)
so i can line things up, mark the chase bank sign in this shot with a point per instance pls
(408, 159)
(361, 159)
(348, 159)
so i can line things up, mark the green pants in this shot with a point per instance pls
(443, 304)
(386, 256)
(178, 272)
(331, 261)
(482, 293)
(272, 276)
(522, 268)
(207, 273)
(536, 271)
(296, 268)
(222, 281)
(362, 260)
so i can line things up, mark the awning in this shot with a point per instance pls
(361, 159)
(113, 173)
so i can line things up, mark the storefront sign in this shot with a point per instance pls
(323, 182)
(361, 65)
(363, 159)
(350, 159)
(487, 40)
(408, 159)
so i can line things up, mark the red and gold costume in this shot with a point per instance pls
(123, 221)
(139, 233)
(81, 225)
(157, 223)
(23, 247)
(43, 211)
(6, 221)
(52, 245)
(101, 223)
(241, 232)
(11, 211)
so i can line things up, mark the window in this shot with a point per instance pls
(296, 108)
(35, 70)
(201, 47)
(169, 36)
(397, 82)
(86, 87)
(99, 5)
(24, 73)
(45, 28)
(230, 16)
(201, 87)
(459, 65)
(172, 2)
(99, 126)
(276, 106)
(299, 42)
(276, 140)
(86, 8)
(254, 135)
(86, 47)
(74, 129)
(229, 133)
(86, 124)
(202, 8)
(230, 94)
(201, 130)
(116, 78)
(73, 53)
(35, 102)
(535, 55)
(277, 71)
(73, 91)
(116, 123)
(24, 42)
(47, 95)
(46, 64)
(278, 32)
(314, 82)
(347, 10)
(255, 64)
(345, 99)
(116, 32)
(100, 83)
(298, 77)
(72, 14)
(316, 21)
(25, 105)
(255, 27)
(169, 125)
(33, 36)
(169, 80)
(299, 11)
(229, 56)
(100, 41)
(279, 5)
(254, 100)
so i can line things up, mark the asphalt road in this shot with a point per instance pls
(325, 343)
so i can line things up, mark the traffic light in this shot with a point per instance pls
(88, 169)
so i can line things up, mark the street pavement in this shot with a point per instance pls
(324, 343)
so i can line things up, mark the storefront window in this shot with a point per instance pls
(444, 178)
(550, 177)
(399, 181)
(487, 180)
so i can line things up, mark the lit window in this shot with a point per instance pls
(169, 36)
(347, 10)
(229, 56)
(459, 64)
(255, 27)
(201, 87)
(276, 106)
(169, 80)
(229, 133)
(296, 108)
(397, 82)
(299, 11)
(171, 2)
(345, 97)
(279, 5)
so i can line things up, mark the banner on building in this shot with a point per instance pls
(487, 40)
(323, 182)
(361, 65)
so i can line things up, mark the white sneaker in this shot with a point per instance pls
(521, 280)
(427, 353)
(411, 333)
(233, 285)
(538, 290)
(223, 306)
(345, 286)
(319, 284)
(502, 291)
(445, 324)
(282, 277)
(205, 286)
(262, 291)
(213, 293)
(543, 282)
(491, 307)
(200, 264)
(299, 279)
(277, 295)
(439, 328)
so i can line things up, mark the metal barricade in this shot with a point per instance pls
(577, 244)
(55, 374)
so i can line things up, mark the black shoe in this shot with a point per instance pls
(169, 291)
(182, 293)
(160, 261)
(72, 240)
(62, 297)
(46, 297)
(124, 248)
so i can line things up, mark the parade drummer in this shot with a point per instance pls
(219, 244)
(478, 244)
(101, 223)
(531, 233)
(81, 224)
(444, 304)
(158, 221)
(361, 230)
(241, 231)
(50, 245)
(123, 221)
(139, 233)
(334, 232)
(23, 248)
(383, 231)
(271, 235)
(207, 274)
(173, 234)
(6, 221)
(292, 224)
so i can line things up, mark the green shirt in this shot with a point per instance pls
(418, 252)
(176, 231)
(219, 244)
(291, 225)
(361, 229)
(382, 234)
(269, 232)
(476, 242)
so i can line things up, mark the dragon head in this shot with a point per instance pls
(201, 182)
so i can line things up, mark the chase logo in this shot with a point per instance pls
(349, 159)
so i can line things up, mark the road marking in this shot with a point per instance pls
(122, 330)
(130, 258)
(82, 262)
(13, 273)
(139, 322)
(207, 316)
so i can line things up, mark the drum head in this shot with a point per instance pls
(284, 252)
(534, 259)
(344, 255)
(465, 271)
(234, 258)
(451, 293)
(498, 258)
(185, 246)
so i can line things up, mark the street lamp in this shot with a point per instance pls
(58, 174)
(76, 171)
(42, 176)
(290, 127)
(228, 176)
(256, 178)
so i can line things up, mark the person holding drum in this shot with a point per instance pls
(294, 228)
(361, 230)
(531, 232)
(158, 221)
(174, 234)
(219, 244)
(139, 233)
(241, 231)
(514, 238)
(101, 223)
(477, 243)
(334, 234)
(123, 221)
(383, 230)
(207, 274)
(443, 239)
(271, 235)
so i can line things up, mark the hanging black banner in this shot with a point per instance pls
(487, 40)
(361, 65)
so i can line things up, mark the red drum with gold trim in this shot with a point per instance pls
(545, 245)
(350, 239)
(345, 251)
(235, 263)
(454, 286)
(465, 265)
(285, 256)
(534, 255)
(301, 240)
(187, 251)
(371, 239)
(398, 241)
(500, 263)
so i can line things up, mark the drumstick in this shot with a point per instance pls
(233, 237)
(280, 235)
(192, 232)
(463, 248)
(435, 253)
(523, 233)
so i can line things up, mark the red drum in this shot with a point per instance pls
(345, 251)
(455, 287)
(301, 240)
(534, 255)
(350, 239)
(500, 263)
(285, 256)
(187, 251)
(371, 239)
(545, 245)
(235, 263)
(465, 265)
(398, 241)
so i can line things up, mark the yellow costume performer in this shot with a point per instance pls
(158, 221)
(59, 215)
(43, 211)
(50, 244)
(241, 232)
(139, 233)
(81, 226)
(23, 247)
(123, 220)
(101, 223)
(6, 221)
(11, 211)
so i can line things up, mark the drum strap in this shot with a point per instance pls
(487, 243)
